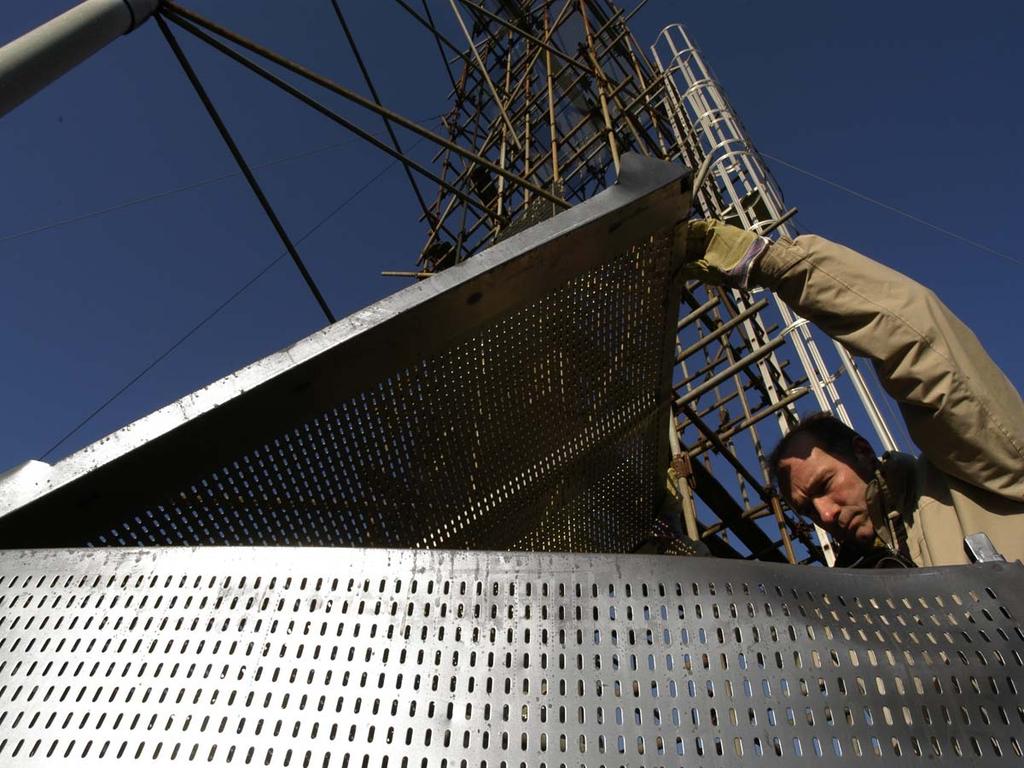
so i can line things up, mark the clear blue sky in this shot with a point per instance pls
(915, 105)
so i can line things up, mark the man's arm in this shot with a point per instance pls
(960, 409)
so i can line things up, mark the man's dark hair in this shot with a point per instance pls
(827, 432)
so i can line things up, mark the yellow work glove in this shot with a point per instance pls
(718, 253)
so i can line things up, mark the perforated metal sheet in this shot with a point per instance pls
(545, 416)
(424, 659)
(530, 385)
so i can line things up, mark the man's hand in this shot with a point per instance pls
(718, 253)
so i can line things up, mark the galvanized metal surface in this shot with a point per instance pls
(423, 659)
(531, 384)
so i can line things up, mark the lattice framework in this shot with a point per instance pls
(554, 93)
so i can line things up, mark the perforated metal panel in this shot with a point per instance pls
(529, 385)
(544, 416)
(424, 659)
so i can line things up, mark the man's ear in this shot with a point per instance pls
(782, 483)
(864, 453)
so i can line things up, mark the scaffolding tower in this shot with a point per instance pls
(553, 93)
(549, 101)
(475, 456)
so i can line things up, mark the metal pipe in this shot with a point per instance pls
(771, 226)
(613, 144)
(354, 97)
(528, 116)
(398, 273)
(244, 167)
(754, 513)
(724, 451)
(698, 312)
(722, 329)
(526, 35)
(37, 58)
(309, 101)
(683, 487)
(870, 405)
(714, 381)
(751, 420)
(503, 146)
(431, 27)
(755, 438)
(780, 520)
(483, 73)
(376, 98)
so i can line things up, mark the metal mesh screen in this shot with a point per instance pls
(517, 401)
(426, 659)
(544, 418)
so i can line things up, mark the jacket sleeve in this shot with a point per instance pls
(960, 409)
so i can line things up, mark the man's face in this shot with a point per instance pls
(829, 489)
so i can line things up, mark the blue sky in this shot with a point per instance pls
(913, 105)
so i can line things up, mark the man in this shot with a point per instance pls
(959, 407)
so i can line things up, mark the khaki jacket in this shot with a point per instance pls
(960, 409)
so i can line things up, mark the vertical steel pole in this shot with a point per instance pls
(552, 124)
(613, 144)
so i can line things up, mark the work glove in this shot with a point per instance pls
(718, 253)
